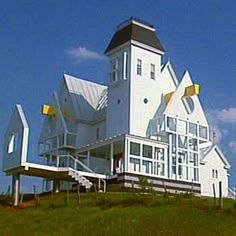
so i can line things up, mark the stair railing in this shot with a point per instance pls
(76, 161)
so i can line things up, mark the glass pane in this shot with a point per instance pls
(134, 164)
(147, 167)
(193, 145)
(193, 128)
(135, 149)
(182, 141)
(159, 154)
(171, 123)
(147, 151)
(203, 131)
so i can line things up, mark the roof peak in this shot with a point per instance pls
(136, 21)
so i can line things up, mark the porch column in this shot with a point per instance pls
(16, 188)
(112, 158)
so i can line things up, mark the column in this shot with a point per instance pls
(112, 158)
(16, 188)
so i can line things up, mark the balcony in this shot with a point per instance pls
(59, 142)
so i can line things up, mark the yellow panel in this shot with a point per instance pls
(168, 97)
(48, 110)
(192, 90)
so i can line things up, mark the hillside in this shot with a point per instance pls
(119, 214)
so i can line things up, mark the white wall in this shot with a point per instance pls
(16, 155)
(118, 102)
(144, 87)
(213, 161)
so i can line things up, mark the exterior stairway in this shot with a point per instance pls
(80, 179)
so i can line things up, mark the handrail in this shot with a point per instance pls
(84, 166)
(232, 191)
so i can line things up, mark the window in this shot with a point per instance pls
(147, 167)
(171, 123)
(159, 154)
(13, 141)
(139, 67)
(203, 132)
(193, 128)
(215, 174)
(114, 70)
(125, 65)
(134, 165)
(193, 145)
(135, 149)
(147, 151)
(182, 141)
(152, 71)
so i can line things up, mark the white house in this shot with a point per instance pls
(144, 123)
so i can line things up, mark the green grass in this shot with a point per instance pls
(120, 214)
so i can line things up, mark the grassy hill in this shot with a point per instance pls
(119, 214)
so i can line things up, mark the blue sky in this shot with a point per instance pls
(40, 40)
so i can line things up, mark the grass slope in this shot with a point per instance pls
(119, 214)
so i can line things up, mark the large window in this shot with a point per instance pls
(139, 67)
(152, 71)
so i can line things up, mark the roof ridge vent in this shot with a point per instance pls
(136, 21)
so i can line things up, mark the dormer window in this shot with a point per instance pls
(152, 71)
(139, 67)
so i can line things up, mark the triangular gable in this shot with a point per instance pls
(54, 125)
(168, 71)
(16, 140)
(177, 106)
(168, 82)
(218, 151)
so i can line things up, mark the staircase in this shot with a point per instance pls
(232, 193)
(80, 179)
(76, 167)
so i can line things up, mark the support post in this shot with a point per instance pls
(88, 157)
(220, 195)
(214, 192)
(112, 158)
(56, 186)
(16, 188)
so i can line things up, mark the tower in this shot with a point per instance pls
(134, 92)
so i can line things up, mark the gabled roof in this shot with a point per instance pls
(89, 99)
(178, 106)
(134, 29)
(218, 151)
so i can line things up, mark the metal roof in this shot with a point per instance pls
(134, 31)
(89, 99)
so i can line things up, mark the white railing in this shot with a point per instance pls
(56, 142)
(70, 161)
(232, 193)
